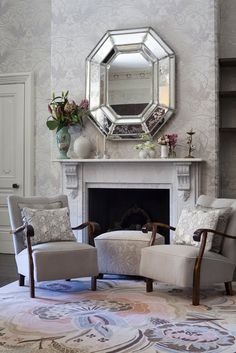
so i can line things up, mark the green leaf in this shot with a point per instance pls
(52, 124)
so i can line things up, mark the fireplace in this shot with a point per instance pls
(130, 209)
(170, 185)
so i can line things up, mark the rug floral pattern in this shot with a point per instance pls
(119, 317)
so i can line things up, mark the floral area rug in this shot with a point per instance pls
(119, 317)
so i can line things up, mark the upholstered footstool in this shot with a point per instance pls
(119, 252)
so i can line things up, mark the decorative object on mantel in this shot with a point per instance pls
(191, 147)
(63, 140)
(146, 148)
(168, 143)
(105, 154)
(97, 151)
(82, 147)
(172, 144)
(163, 142)
(63, 114)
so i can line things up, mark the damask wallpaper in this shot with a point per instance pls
(25, 37)
(188, 27)
(53, 38)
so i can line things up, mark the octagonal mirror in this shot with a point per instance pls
(130, 83)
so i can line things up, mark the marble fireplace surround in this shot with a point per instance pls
(181, 176)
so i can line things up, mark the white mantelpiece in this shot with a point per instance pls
(180, 175)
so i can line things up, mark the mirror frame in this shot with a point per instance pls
(158, 110)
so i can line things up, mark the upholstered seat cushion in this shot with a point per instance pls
(175, 264)
(60, 260)
(119, 252)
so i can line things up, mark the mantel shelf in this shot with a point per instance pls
(136, 160)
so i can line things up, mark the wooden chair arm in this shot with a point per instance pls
(198, 233)
(27, 227)
(154, 226)
(93, 230)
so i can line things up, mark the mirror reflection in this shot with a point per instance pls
(129, 83)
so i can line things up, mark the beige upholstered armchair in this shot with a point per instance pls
(195, 266)
(45, 246)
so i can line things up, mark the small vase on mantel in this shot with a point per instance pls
(171, 153)
(82, 147)
(63, 139)
(164, 151)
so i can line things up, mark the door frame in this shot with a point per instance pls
(27, 79)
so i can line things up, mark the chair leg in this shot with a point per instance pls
(196, 292)
(228, 288)
(21, 280)
(149, 285)
(32, 287)
(93, 283)
(100, 276)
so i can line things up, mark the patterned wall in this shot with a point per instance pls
(188, 27)
(25, 37)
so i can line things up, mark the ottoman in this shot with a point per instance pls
(119, 252)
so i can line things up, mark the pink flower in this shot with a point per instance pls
(70, 107)
(84, 104)
(172, 140)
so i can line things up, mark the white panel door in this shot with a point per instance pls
(12, 112)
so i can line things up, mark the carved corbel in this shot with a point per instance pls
(184, 179)
(71, 174)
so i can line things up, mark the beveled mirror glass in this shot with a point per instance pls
(130, 83)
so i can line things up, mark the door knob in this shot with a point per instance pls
(15, 186)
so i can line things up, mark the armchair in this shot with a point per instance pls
(190, 266)
(57, 259)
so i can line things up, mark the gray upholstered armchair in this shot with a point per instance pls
(192, 266)
(55, 258)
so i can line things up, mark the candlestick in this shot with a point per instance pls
(97, 153)
(105, 155)
(104, 145)
(97, 145)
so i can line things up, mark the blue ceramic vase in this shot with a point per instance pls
(63, 139)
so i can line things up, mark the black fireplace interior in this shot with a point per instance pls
(116, 209)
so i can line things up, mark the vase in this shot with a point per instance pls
(151, 153)
(82, 147)
(63, 139)
(164, 151)
(171, 153)
(143, 154)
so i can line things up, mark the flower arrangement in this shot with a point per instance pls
(172, 140)
(169, 140)
(65, 113)
(146, 144)
(163, 140)
(147, 147)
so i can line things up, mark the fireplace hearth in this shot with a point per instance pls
(130, 209)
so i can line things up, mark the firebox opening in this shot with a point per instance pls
(116, 209)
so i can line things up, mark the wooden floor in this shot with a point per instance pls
(8, 271)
